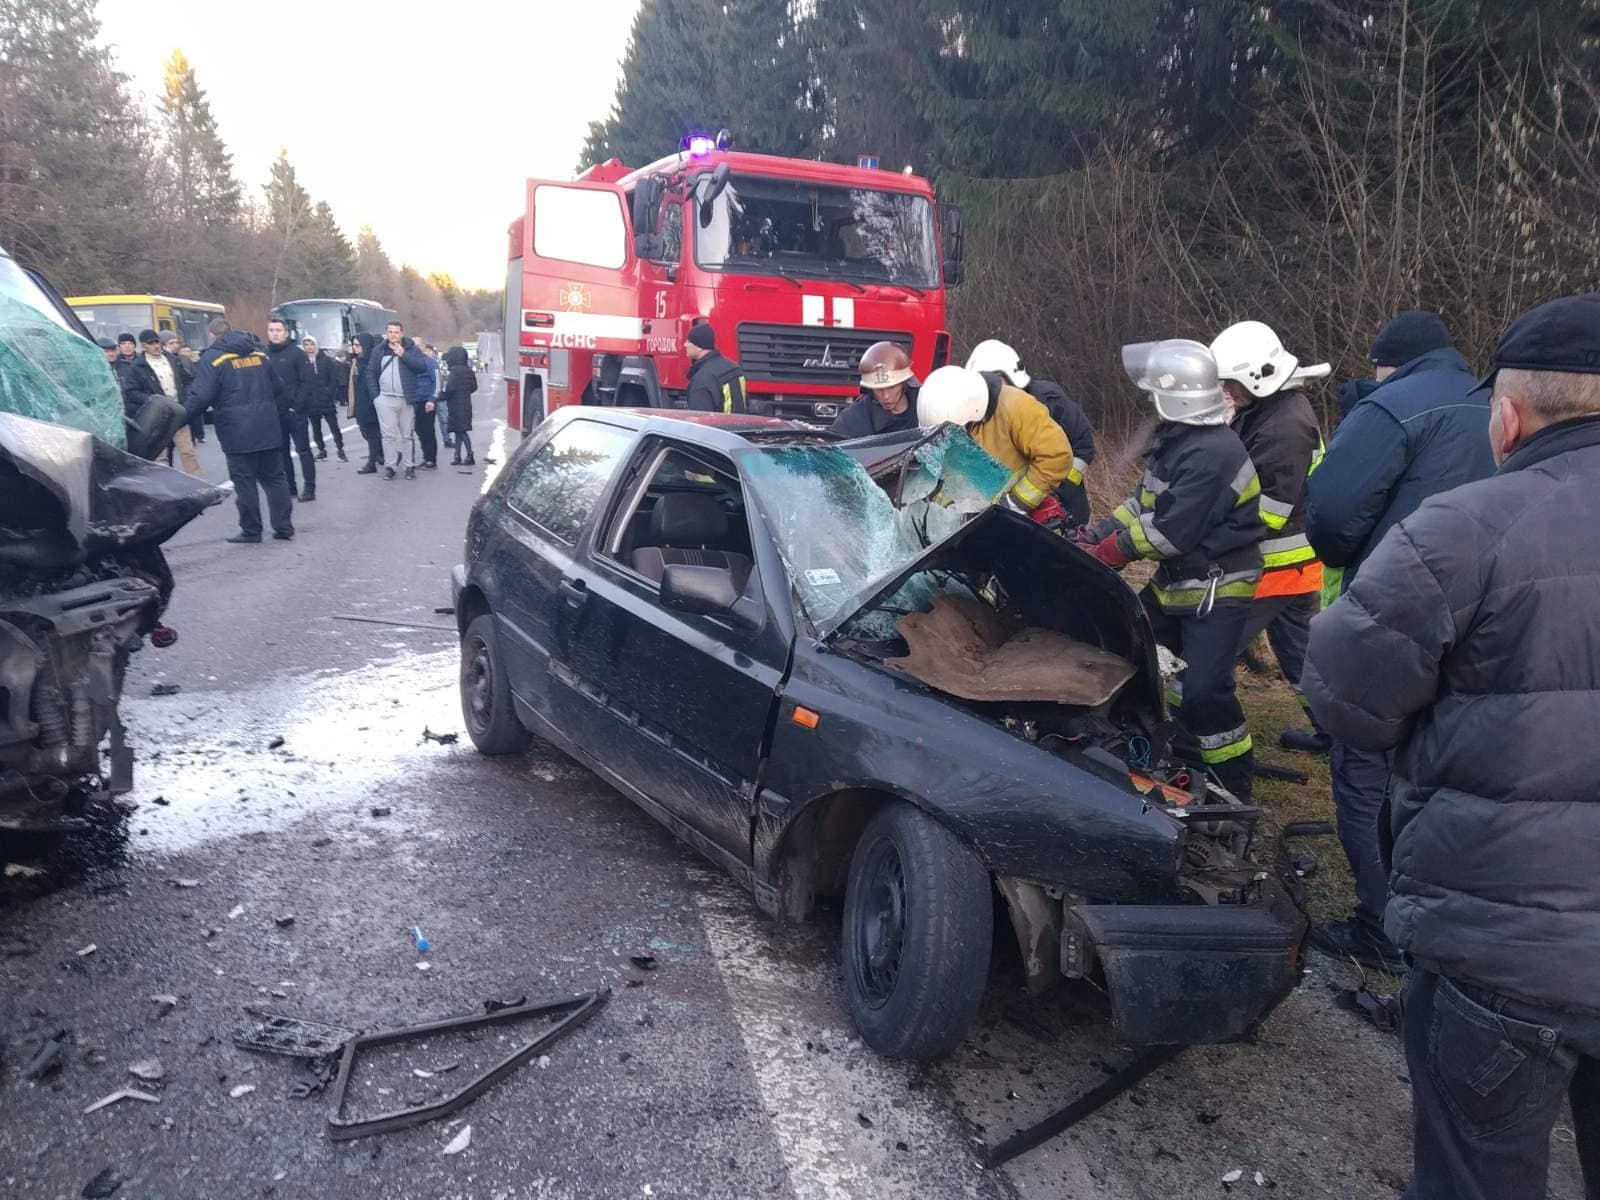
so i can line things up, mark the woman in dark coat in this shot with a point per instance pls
(360, 400)
(460, 383)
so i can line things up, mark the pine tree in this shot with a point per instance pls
(289, 213)
(72, 200)
(206, 190)
(375, 273)
(327, 257)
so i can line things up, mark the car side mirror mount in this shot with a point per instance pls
(709, 591)
(954, 240)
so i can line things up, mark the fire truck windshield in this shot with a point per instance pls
(793, 227)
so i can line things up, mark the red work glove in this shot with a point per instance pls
(1049, 513)
(1109, 552)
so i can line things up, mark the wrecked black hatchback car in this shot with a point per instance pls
(836, 668)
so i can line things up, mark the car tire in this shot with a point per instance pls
(486, 707)
(918, 930)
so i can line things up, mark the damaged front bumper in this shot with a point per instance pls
(1175, 974)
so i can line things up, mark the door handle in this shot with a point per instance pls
(576, 592)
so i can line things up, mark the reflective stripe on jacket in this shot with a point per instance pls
(1281, 435)
(1021, 434)
(1197, 513)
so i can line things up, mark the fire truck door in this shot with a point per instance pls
(580, 280)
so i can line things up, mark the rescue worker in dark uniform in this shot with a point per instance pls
(716, 383)
(1012, 427)
(234, 381)
(1197, 514)
(888, 403)
(992, 355)
(1279, 429)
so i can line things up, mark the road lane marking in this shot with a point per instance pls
(814, 1099)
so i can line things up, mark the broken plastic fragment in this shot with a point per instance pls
(275, 743)
(284, 921)
(87, 950)
(147, 1069)
(186, 883)
(237, 911)
(1233, 1176)
(424, 966)
(1261, 1180)
(121, 1094)
(102, 1185)
(244, 1089)
(381, 810)
(165, 689)
(461, 1141)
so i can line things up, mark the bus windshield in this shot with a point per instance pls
(110, 321)
(820, 231)
(325, 322)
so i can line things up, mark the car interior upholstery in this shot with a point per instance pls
(693, 529)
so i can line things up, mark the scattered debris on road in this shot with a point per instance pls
(279, 1033)
(88, 950)
(1381, 1012)
(461, 1141)
(493, 1005)
(283, 922)
(419, 939)
(381, 810)
(236, 912)
(162, 801)
(645, 962)
(48, 1057)
(244, 1089)
(424, 966)
(165, 1002)
(102, 1185)
(275, 742)
(444, 739)
(121, 1094)
(148, 1069)
(165, 689)
(1090, 1102)
(22, 871)
(184, 883)
(567, 1015)
(397, 624)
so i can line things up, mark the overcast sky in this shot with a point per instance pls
(456, 103)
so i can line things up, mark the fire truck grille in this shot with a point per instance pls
(807, 353)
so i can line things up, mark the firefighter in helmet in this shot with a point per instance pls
(1197, 514)
(888, 400)
(993, 355)
(1011, 426)
(1274, 419)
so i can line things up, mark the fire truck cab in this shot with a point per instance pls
(797, 265)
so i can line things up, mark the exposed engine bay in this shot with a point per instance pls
(83, 582)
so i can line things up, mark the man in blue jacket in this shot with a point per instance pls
(399, 375)
(1422, 428)
(1467, 647)
(235, 382)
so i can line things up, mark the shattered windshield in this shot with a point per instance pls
(47, 370)
(843, 534)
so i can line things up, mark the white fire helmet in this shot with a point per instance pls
(952, 394)
(995, 355)
(1181, 377)
(1252, 355)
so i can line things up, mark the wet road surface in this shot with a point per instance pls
(730, 1069)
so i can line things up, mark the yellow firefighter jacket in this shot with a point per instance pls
(1023, 435)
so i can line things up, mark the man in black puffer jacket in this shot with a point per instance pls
(1468, 647)
(297, 383)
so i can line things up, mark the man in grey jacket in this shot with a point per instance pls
(1469, 645)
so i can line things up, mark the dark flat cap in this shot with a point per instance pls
(1560, 335)
(150, 335)
(1409, 335)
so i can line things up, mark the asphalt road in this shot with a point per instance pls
(729, 1070)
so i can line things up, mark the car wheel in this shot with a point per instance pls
(917, 935)
(492, 722)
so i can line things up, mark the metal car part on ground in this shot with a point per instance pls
(706, 611)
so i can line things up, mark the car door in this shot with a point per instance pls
(530, 556)
(676, 703)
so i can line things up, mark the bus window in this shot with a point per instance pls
(109, 321)
(191, 326)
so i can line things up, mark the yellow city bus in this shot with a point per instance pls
(108, 317)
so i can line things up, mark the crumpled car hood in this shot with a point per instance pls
(62, 481)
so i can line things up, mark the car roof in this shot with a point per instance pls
(728, 432)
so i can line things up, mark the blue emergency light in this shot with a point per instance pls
(700, 146)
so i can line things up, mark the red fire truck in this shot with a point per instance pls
(798, 266)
